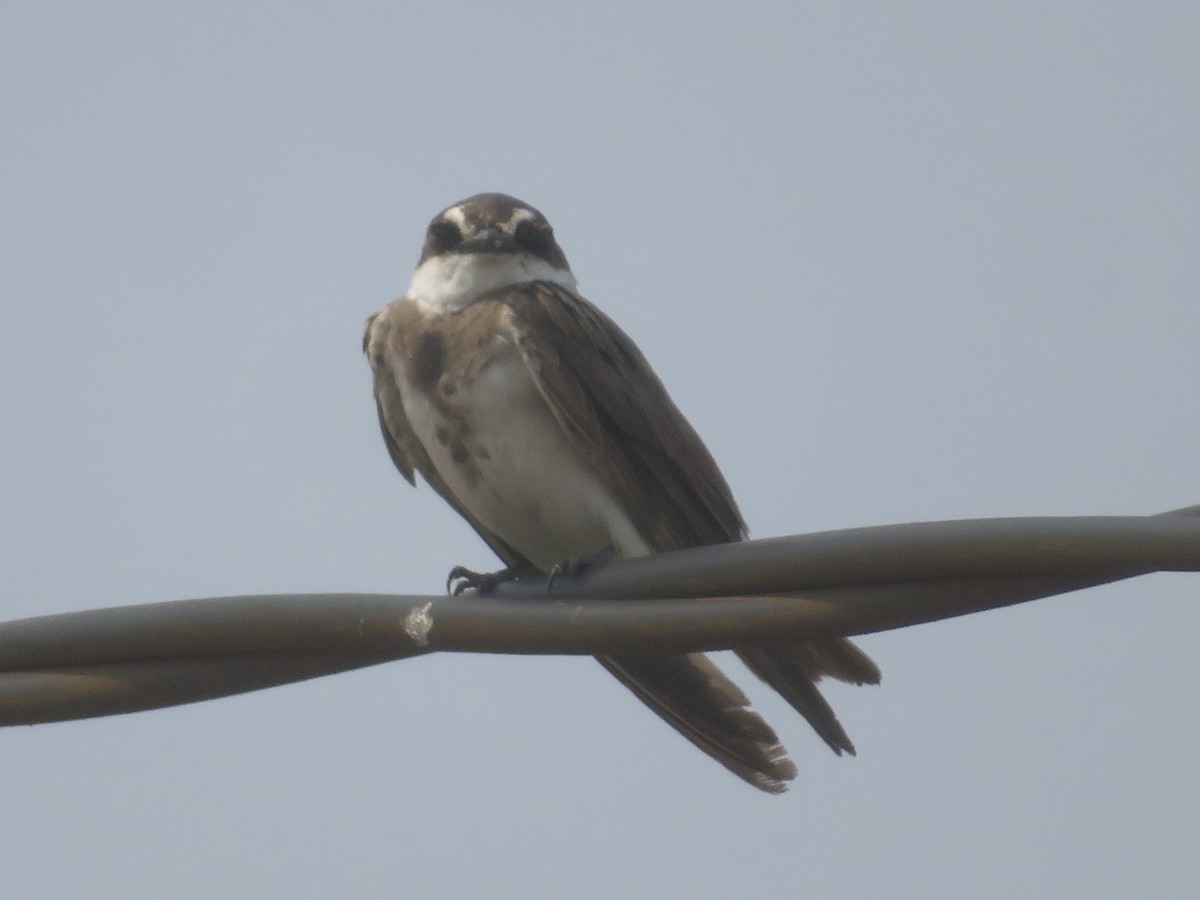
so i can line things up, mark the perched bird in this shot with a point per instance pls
(540, 422)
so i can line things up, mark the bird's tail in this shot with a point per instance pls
(692, 695)
(794, 670)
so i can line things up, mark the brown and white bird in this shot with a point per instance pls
(540, 422)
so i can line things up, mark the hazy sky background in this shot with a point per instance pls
(896, 262)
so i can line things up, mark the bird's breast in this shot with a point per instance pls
(496, 444)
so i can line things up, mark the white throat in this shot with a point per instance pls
(450, 282)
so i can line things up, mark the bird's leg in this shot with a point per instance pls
(581, 565)
(462, 579)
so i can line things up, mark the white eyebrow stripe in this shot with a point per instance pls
(518, 216)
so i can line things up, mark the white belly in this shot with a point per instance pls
(530, 488)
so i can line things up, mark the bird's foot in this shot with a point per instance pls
(463, 579)
(581, 565)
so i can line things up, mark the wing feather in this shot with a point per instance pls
(609, 401)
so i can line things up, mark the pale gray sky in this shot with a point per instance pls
(896, 262)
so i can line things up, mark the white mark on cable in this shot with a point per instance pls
(418, 623)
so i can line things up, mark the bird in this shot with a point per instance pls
(540, 422)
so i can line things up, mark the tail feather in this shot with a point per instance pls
(692, 695)
(794, 671)
(841, 659)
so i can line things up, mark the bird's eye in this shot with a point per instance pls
(534, 235)
(443, 236)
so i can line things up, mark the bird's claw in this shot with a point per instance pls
(462, 579)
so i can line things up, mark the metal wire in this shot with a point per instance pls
(102, 662)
